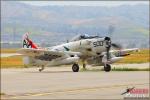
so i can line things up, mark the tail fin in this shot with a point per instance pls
(27, 43)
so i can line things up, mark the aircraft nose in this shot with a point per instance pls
(108, 41)
(107, 38)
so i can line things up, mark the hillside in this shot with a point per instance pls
(49, 22)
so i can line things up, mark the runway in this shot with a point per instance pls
(62, 83)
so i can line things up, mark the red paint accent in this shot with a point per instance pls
(32, 44)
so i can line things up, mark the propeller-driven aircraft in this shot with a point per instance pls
(93, 50)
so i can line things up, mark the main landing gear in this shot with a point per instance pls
(107, 67)
(75, 67)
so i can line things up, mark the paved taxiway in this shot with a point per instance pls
(62, 83)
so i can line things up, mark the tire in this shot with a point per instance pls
(75, 67)
(107, 68)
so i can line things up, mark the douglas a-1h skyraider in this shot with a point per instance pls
(93, 50)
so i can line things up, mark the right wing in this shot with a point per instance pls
(124, 52)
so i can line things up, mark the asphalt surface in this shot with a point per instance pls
(62, 83)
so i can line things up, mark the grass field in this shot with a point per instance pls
(8, 50)
(137, 57)
(2, 93)
(9, 62)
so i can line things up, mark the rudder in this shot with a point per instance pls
(27, 43)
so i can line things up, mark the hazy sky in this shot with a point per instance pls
(85, 3)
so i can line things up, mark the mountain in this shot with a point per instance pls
(128, 22)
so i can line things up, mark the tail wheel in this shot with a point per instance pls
(75, 67)
(42, 68)
(107, 68)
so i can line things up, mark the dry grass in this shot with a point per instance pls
(9, 62)
(2, 94)
(137, 57)
(8, 50)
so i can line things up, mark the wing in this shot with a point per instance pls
(36, 52)
(124, 52)
(45, 54)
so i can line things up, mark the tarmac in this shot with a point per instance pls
(62, 83)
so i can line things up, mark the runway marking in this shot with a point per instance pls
(72, 90)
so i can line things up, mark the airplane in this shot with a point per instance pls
(92, 50)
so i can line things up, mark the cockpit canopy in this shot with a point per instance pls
(83, 36)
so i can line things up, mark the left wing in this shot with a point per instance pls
(45, 54)
(53, 56)
(36, 52)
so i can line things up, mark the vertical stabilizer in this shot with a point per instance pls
(27, 43)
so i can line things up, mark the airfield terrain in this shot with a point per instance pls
(126, 24)
(62, 83)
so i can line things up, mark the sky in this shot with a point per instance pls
(85, 3)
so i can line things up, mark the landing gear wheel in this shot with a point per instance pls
(107, 68)
(42, 68)
(75, 67)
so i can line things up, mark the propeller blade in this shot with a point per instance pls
(108, 46)
(108, 54)
(116, 46)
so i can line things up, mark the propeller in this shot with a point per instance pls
(116, 46)
(111, 29)
(109, 45)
